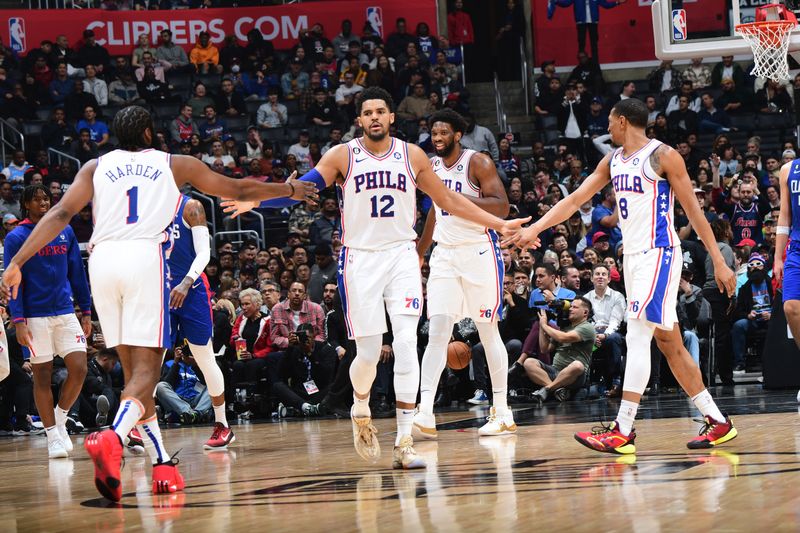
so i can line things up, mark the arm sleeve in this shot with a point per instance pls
(15, 305)
(77, 275)
(313, 175)
(202, 248)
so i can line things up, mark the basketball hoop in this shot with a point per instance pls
(768, 37)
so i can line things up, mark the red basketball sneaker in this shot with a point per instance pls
(105, 450)
(166, 478)
(220, 438)
(713, 433)
(608, 439)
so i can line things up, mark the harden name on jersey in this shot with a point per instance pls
(144, 171)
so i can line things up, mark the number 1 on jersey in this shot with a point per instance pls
(133, 205)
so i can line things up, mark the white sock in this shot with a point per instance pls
(61, 416)
(128, 414)
(361, 406)
(497, 361)
(434, 360)
(705, 403)
(151, 436)
(626, 416)
(405, 419)
(52, 434)
(219, 414)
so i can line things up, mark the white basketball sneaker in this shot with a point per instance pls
(502, 424)
(56, 449)
(64, 434)
(424, 427)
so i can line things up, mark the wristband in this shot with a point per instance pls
(289, 183)
(783, 230)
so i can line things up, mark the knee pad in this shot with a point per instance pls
(404, 328)
(204, 355)
(637, 366)
(368, 349)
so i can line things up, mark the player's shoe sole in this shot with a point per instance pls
(105, 450)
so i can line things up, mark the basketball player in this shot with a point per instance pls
(44, 316)
(647, 177)
(786, 270)
(377, 177)
(466, 273)
(190, 307)
(134, 195)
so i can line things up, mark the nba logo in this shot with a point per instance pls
(678, 24)
(375, 19)
(16, 32)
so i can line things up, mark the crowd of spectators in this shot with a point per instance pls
(255, 113)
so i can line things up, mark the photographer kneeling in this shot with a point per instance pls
(572, 353)
(306, 371)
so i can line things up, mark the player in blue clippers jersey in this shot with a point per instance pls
(787, 270)
(190, 308)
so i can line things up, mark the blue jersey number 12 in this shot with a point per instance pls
(133, 205)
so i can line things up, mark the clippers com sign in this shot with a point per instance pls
(119, 31)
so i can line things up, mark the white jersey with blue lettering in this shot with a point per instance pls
(378, 197)
(451, 230)
(645, 201)
(135, 196)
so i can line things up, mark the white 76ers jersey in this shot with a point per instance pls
(135, 196)
(452, 230)
(645, 201)
(378, 198)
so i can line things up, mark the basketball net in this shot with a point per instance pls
(768, 37)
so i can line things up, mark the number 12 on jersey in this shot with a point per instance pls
(386, 203)
(133, 206)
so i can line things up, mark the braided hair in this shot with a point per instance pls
(129, 126)
(28, 194)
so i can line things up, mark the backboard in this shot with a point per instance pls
(683, 29)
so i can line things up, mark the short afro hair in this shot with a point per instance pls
(448, 116)
(374, 93)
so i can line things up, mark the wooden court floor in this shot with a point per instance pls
(304, 476)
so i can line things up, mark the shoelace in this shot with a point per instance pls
(602, 428)
(217, 432)
(366, 432)
(706, 426)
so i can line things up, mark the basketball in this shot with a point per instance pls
(458, 355)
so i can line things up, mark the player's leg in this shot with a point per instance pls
(445, 306)
(43, 398)
(362, 279)
(406, 386)
(440, 330)
(403, 300)
(718, 427)
(195, 322)
(501, 420)
(68, 338)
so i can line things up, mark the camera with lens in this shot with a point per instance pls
(302, 335)
(557, 309)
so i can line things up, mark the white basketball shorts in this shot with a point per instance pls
(466, 281)
(652, 278)
(131, 292)
(54, 335)
(370, 280)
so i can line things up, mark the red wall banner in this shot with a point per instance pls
(625, 31)
(119, 31)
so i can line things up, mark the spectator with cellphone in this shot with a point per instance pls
(753, 308)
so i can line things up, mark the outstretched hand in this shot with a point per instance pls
(238, 207)
(521, 237)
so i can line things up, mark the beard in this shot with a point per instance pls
(376, 137)
(448, 149)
